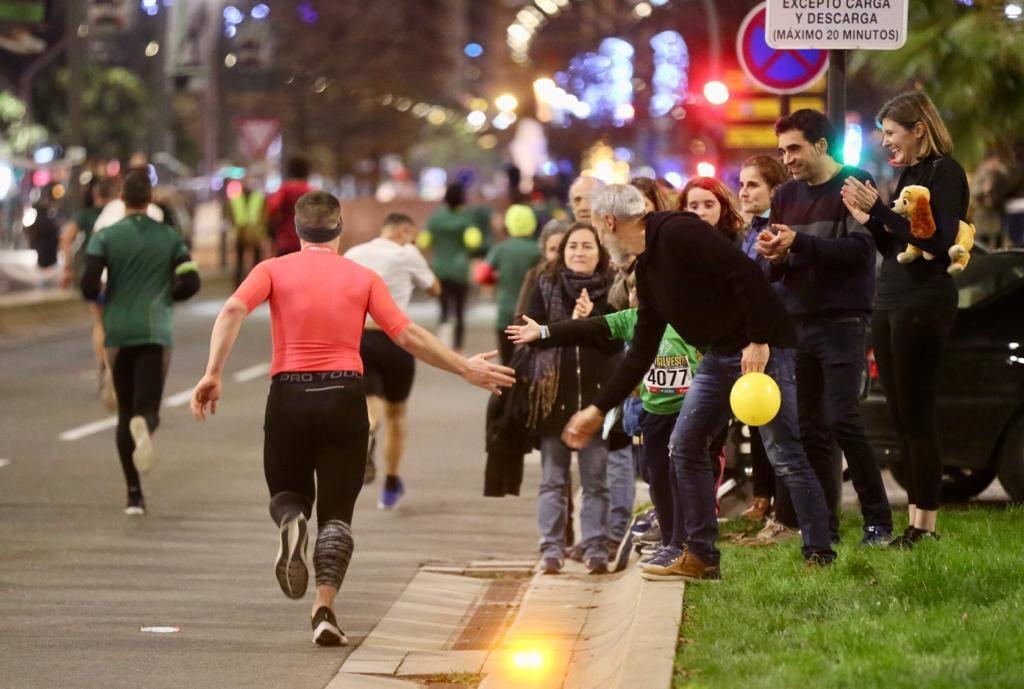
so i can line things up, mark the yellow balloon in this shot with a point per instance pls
(755, 399)
(472, 237)
(424, 239)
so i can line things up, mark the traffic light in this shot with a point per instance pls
(716, 92)
(705, 169)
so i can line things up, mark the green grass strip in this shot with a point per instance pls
(945, 614)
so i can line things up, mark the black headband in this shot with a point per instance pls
(318, 235)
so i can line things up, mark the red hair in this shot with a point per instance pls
(730, 222)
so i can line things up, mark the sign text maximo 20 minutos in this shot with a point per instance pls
(837, 24)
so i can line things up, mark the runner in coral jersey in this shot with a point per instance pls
(316, 422)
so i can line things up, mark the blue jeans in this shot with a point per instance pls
(556, 459)
(705, 412)
(829, 369)
(621, 491)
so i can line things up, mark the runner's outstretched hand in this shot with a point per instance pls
(483, 373)
(207, 392)
(582, 426)
(523, 334)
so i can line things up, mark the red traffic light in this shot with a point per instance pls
(716, 92)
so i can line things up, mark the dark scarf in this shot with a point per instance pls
(560, 291)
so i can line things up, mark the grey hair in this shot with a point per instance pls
(551, 227)
(585, 178)
(621, 201)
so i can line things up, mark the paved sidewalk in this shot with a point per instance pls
(570, 631)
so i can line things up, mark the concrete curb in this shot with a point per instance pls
(592, 632)
(595, 633)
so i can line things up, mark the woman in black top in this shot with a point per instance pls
(916, 303)
(564, 379)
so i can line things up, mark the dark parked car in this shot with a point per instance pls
(981, 403)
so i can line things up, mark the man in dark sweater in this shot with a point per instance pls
(825, 260)
(717, 299)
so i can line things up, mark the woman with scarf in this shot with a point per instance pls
(561, 381)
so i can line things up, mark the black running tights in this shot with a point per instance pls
(453, 304)
(314, 450)
(138, 374)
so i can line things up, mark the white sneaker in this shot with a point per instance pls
(108, 398)
(143, 456)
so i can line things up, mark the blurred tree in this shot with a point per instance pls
(115, 102)
(16, 133)
(969, 58)
(343, 67)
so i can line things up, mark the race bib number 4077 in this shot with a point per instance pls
(668, 380)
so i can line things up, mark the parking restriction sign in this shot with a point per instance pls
(837, 24)
(776, 71)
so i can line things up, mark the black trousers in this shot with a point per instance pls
(314, 444)
(453, 304)
(909, 344)
(505, 347)
(139, 373)
(241, 252)
(764, 475)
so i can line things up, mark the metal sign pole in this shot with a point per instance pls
(836, 102)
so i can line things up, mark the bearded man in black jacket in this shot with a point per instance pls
(690, 276)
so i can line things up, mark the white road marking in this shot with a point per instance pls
(251, 373)
(4, 463)
(178, 399)
(88, 429)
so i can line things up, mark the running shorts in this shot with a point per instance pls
(388, 370)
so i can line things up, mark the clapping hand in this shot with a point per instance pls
(583, 305)
(775, 246)
(859, 198)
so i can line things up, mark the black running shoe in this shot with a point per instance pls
(325, 629)
(911, 537)
(292, 565)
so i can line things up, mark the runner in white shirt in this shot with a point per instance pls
(389, 369)
(114, 212)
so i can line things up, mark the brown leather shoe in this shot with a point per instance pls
(686, 567)
(773, 533)
(758, 510)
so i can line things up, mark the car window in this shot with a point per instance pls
(988, 275)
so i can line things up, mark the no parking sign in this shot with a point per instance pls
(776, 71)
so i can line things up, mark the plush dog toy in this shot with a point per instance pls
(914, 204)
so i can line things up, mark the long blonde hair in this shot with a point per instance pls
(907, 109)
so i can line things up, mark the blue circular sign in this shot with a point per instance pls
(777, 71)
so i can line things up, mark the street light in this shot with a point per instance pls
(506, 102)
(705, 169)
(716, 92)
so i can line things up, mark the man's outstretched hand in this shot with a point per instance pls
(582, 426)
(207, 393)
(480, 371)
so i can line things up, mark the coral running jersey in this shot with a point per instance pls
(318, 304)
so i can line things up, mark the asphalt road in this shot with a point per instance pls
(78, 578)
